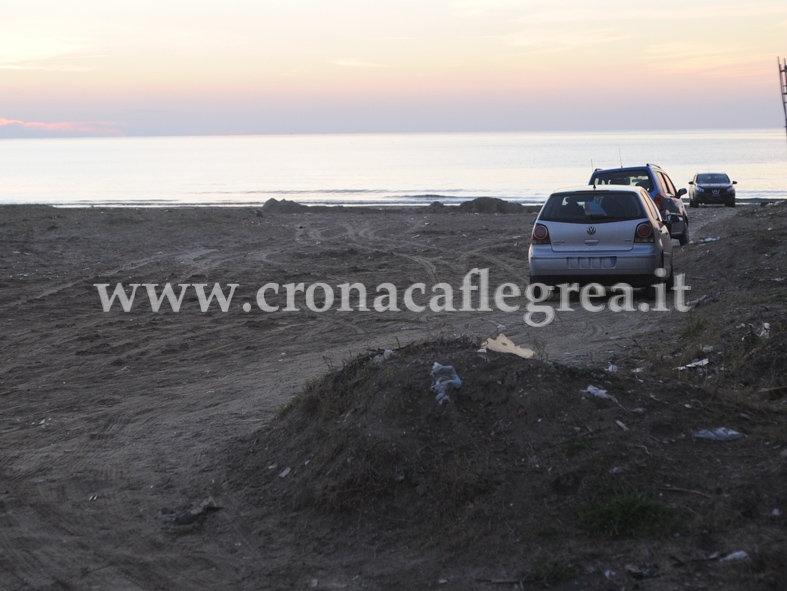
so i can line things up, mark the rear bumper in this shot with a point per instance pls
(635, 268)
(635, 281)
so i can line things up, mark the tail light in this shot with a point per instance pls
(540, 235)
(658, 201)
(644, 233)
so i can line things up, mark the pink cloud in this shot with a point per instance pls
(80, 127)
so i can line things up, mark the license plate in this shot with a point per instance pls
(592, 262)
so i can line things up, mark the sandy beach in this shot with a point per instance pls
(114, 424)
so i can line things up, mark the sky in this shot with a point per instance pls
(197, 67)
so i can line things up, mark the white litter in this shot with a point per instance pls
(719, 434)
(445, 377)
(695, 363)
(739, 555)
(709, 239)
(601, 393)
(598, 392)
(502, 344)
(388, 353)
(612, 368)
(285, 472)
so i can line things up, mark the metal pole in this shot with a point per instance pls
(783, 86)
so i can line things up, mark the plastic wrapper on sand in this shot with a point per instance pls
(444, 378)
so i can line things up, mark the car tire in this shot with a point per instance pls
(683, 239)
(669, 282)
(650, 291)
(693, 203)
(730, 203)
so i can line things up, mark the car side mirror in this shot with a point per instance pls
(734, 182)
(681, 192)
(691, 182)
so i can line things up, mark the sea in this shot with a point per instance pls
(370, 169)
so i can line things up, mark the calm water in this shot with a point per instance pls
(383, 169)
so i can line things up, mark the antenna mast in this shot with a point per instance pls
(783, 86)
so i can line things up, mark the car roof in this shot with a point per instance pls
(604, 189)
(627, 168)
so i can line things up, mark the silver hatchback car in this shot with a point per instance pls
(606, 235)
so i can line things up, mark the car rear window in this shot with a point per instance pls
(626, 178)
(597, 206)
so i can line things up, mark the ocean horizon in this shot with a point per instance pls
(376, 169)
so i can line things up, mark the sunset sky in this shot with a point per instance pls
(104, 67)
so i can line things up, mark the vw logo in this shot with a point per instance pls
(591, 230)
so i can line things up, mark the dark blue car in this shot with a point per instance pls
(660, 188)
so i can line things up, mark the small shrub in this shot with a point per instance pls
(629, 515)
(576, 446)
(694, 326)
(552, 573)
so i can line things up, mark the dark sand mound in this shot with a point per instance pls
(283, 206)
(491, 205)
(521, 474)
(478, 205)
